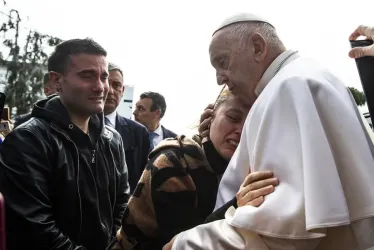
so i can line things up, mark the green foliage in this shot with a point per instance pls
(25, 66)
(359, 96)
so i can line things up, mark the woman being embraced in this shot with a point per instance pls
(178, 188)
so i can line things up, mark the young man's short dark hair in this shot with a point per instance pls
(59, 59)
(158, 101)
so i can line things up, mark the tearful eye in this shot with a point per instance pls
(233, 118)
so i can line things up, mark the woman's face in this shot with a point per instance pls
(227, 126)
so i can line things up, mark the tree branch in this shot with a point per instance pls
(26, 63)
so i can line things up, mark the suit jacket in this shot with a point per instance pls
(136, 145)
(168, 133)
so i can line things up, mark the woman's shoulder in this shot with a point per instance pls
(181, 151)
(177, 142)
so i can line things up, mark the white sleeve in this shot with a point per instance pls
(219, 235)
(215, 235)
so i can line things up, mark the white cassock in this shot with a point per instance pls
(306, 129)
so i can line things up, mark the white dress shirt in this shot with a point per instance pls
(159, 137)
(112, 118)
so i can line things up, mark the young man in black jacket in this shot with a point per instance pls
(63, 173)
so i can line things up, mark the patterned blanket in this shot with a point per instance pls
(176, 192)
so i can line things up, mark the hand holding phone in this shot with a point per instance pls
(362, 48)
(4, 114)
(365, 66)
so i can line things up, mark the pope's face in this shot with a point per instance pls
(236, 64)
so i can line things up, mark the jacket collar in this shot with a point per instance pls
(53, 111)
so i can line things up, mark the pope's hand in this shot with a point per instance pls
(255, 187)
(367, 32)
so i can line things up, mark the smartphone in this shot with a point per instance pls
(365, 67)
(2, 223)
(360, 43)
(5, 116)
(2, 103)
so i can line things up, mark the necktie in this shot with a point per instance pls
(152, 135)
(107, 122)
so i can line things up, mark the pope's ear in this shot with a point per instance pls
(259, 47)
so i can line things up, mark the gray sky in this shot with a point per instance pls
(163, 45)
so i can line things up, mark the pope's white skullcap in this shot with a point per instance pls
(241, 17)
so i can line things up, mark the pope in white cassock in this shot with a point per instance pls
(305, 128)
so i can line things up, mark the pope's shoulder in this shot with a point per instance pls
(308, 72)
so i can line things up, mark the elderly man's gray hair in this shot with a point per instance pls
(112, 67)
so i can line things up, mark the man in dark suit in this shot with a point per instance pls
(149, 111)
(134, 135)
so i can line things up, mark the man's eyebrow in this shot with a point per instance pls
(91, 71)
(83, 71)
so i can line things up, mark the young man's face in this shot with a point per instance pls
(84, 85)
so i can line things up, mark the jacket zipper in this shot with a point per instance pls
(93, 156)
(77, 181)
(93, 160)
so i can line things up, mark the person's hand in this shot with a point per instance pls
(358, 52)
(9, 125)
(205, 120)
(255, 186)
(169, 245)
